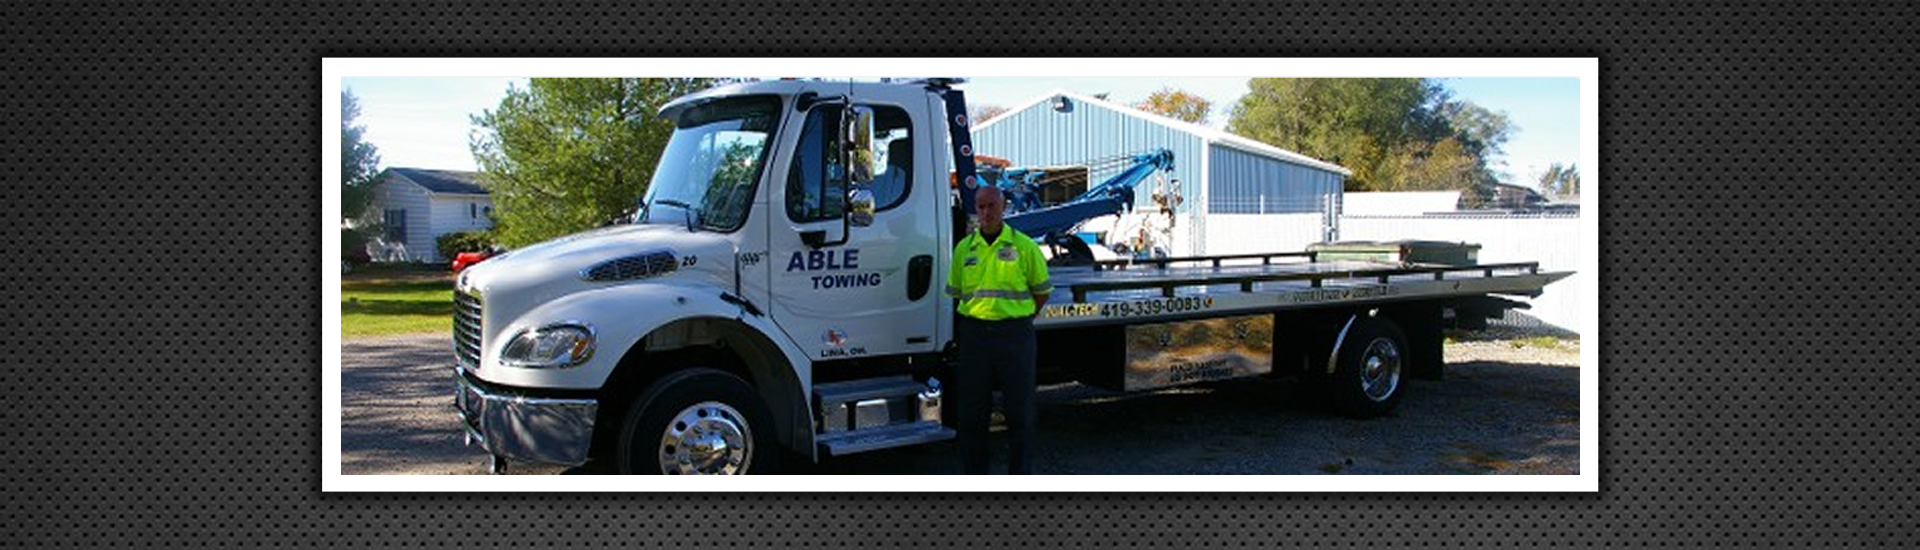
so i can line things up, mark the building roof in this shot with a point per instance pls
(1217, 137)
(443, 181)
(1522, 189)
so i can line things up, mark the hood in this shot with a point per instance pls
(544, 271)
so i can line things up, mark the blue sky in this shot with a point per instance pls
(424, 122)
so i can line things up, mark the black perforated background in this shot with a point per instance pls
(160, 289)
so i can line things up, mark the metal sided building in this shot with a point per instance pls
(1239, 195)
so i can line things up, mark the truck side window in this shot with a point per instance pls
(893, 140)
(817, 183)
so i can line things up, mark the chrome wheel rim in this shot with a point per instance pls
(1380, 369)
(709, 438)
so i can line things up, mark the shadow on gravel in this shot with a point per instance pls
(1486, 417)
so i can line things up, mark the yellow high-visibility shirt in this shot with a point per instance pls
(998, 280)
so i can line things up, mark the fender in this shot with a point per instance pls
(623, 315)
(620, 316)
(1333, 357)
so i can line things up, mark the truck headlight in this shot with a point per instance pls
(552, 346)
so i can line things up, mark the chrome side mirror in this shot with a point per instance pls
(857, 121)
(860, 206)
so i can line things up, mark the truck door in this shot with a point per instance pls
(858, 290)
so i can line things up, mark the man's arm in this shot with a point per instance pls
(953, 273)
(1039, 282)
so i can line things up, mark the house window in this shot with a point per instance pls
(395, 222)
(473, 210)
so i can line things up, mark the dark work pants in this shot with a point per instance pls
(995, 353)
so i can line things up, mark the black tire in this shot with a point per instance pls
(1369, 375)
(725, 412)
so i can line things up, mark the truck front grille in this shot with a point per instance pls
(467, 329)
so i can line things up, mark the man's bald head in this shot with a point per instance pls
(989, 192)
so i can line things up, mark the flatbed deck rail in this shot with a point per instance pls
(1315, 279)
(1162, 263)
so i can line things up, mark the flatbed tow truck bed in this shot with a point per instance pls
(1130, 292)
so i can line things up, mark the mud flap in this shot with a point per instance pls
(1422, 323)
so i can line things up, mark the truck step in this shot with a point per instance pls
(885, 437)
(860, 390)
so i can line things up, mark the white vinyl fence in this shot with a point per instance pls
(1251, 233)
(1556, 241)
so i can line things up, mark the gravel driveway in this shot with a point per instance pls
(1505, 408)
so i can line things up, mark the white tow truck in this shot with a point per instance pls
(776, 297)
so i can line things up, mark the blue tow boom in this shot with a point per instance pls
(1112, 196)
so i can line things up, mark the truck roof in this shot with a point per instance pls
(776, 87)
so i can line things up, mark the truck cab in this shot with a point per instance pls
(772, 296)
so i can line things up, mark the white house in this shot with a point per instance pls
(415, 205)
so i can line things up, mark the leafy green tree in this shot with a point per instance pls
(1446, 165)
(1561, 181)
(1481, 132)
(1395, 134)
(1177, 104)
(359, 160)
(565, 155)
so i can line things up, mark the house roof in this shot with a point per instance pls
(1217, 137)
(443, 181)
(1511, 187)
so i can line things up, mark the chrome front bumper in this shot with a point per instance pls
(532, 429)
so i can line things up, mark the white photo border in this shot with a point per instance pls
(1586, 70)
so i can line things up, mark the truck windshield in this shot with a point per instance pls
(707, 175)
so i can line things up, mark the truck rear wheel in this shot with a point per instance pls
(698, 422)
(1369, 368)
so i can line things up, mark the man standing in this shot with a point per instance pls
(1001, 280)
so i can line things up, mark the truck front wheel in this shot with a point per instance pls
(697, 422)
(1367, 374)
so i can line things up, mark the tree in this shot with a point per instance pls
(566, 154)
(1177, 104)
(1442, 165)
(359, 160)
(1479, 130)
(985, 112)
(1395, 134)
(1561, 181)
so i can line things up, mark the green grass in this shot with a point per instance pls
(390, 303)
